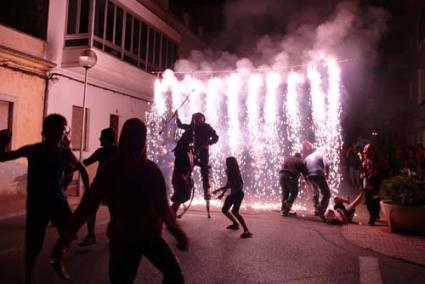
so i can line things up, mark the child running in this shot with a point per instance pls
(235, 183)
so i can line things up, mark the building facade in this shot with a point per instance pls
(23, 79)
(416, 87)
(133, 41)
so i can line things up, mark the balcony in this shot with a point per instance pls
(129, 48)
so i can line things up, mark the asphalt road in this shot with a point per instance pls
(283, 250)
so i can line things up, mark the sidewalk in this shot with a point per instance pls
(379, 239)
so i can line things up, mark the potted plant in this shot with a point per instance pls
(403, 204)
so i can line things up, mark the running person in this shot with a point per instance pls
(46, 196)
(235, 183)
(102, 155)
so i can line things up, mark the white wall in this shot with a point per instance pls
(64, 93)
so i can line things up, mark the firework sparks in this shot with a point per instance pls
(251, 127)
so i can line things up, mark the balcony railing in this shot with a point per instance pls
(112, 28)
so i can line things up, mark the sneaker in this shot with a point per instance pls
(246, 235)
(89, 240)
(233, 227)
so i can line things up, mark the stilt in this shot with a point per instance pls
(208, 208)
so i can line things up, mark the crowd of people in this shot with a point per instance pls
(393, 161)
(134, 189)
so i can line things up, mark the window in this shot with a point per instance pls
(84, 16)
(99, 18)
(169, 54)
(157, 48)
(6, 115)
(136, 36)
(77, 118)
(164, 46)
(72, 16)
(26, 16)
(114, 124)
(110, 22)
(78, 16)
(119, 33)
(143, 42)
(128, 30)
(151, 44)
(118, 27)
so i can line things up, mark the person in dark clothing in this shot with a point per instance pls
(46, 196)
(235, 183)
(102, 155)
(203, 136)
(371, 182)
(354, 164)
(317, 172)
(343, 214)
(135, 193)
(182, 173)
(70, 169)
(292, 168)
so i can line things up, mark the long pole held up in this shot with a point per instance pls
(175, 113)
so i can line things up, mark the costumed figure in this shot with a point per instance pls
(203, 136)
(182, 173)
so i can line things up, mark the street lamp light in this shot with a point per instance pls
(87, 60)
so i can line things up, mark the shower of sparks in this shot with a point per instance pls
(318, 105)
(260, 119)
(334, 138)
(233, 92)
(292, 109)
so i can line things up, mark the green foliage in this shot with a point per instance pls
(403, 190)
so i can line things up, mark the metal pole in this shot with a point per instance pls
(83, 124)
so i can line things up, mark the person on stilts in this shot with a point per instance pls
(203, 136)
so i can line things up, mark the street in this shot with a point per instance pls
(283, 250)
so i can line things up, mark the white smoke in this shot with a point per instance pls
(256, 96)
(286, 34)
